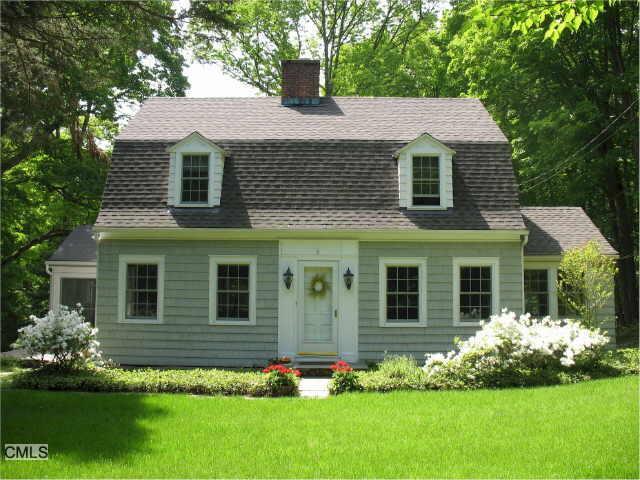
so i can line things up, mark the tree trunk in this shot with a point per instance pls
(627, 280)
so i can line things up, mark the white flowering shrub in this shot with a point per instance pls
(63, 334)
(511, 350)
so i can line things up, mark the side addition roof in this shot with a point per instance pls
(79, 246)
(553, 230)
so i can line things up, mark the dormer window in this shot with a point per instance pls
(426, 180)
(425, 174)
(195, 178)
(196, 167)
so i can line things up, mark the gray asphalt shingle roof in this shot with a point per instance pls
(337, 118)
(553, 230)
(78, 246)
(311, 184)
(327, 167)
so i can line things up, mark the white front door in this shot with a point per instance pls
(318, 309)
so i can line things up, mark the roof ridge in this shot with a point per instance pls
(273, 97)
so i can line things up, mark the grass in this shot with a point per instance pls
(584, 430)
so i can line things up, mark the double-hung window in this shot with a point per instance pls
(475, 289)
(141, 288)
(232, 290)
(425, 183)
(402, 292)
(536, 292)
(195, 179)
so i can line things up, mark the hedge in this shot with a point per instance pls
(196, 381)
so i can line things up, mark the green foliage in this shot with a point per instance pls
(569, 110)
(344, 382)
(13, 364)
(66, 68)
(268, 31)
(624, 361)
(345, 35)
(43, 198)
(586, 281)
(197, 381)
(402, 373)
(395, 372)
(550, 16)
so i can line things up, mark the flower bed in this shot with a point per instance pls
(197, 381)
(508, 351)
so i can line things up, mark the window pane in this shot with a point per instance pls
(403, 294)
(536, 292)
(142, 291)
(426, 180)
(475, 293)
(195, 178)
(82, 291)
(233, 292)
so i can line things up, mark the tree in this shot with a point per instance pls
(586, 281)
(273, 30)
(66, 68)
(570, 110)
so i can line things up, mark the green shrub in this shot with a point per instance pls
(13, 364)
(197, 381)
(281, 380)
(344, 379)
(395, 372)
(623, 361)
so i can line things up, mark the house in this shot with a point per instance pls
(235, 230)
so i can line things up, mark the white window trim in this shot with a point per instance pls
(494, 263)
(214, 261)
(123, 261)
(179, 159)
(441, 182)
(421, 263)
(58, 272)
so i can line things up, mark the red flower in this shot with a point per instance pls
(341, 366)
(281, 369)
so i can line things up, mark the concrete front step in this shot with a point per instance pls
(314, 387)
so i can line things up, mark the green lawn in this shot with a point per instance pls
(584, 430)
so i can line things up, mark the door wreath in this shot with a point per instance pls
(319, 286)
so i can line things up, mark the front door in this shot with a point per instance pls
(318, 309)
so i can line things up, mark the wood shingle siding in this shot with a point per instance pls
(440, 331)
(185, 336)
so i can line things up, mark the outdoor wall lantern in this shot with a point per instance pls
(288, 278)
(348, 278)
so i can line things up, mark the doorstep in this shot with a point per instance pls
(314, 387)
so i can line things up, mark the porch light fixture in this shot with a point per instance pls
(348, 278)
(288, 278)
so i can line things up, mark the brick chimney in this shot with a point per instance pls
(300, 82)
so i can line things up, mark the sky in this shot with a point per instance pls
(208, 80)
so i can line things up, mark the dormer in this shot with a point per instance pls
(425, 174)
(195, 172)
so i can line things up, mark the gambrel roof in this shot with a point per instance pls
(311, 184)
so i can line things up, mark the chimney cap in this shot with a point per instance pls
(300, 60)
